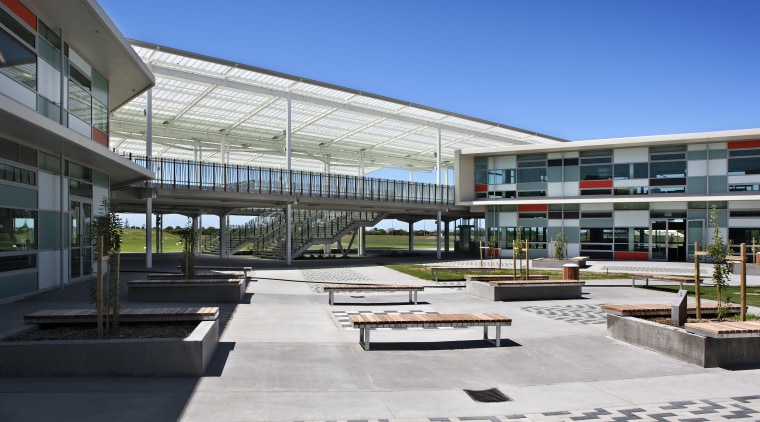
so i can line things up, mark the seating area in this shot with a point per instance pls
(500, 277)
(366, 322)
(331, 289)
(666, 277)
(661, 309)
(724, 329)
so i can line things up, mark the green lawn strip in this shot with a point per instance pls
(709, 293)
(423, 272)
(134, 241)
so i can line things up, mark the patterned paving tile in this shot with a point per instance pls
(341, 317)
(729, 409)
(331, 275)
(573, 314)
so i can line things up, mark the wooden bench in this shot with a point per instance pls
(126, 315)
(660, 310)
(436, 268)
(723, 329)
(667, 277)
(366, 322)
(246, 270)
(494, 278)
(333, 288)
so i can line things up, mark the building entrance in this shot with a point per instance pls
(667, 240)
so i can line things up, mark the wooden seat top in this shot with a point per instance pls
(125, 314)
(535, 282)
(371, 287)
(653, 309)
(499, 277)
(724, 327)
(403, 319)
(667, 276)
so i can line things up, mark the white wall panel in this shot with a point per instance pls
(743, 222)
(508, 219)
(717, 167)
(78, 125)
(630, 183)
(98, 194)
(554, 189)
(749, 178)
(631, 218)
(505, 162)
(48, 81)
(675, 205)
(597, 207)
(630, 155)
(696, 168)
(49, 188)
(572, 189)
(18, 92)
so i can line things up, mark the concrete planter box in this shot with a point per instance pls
(187, 357)
(180, 290)
(706, 352)
(526, 290)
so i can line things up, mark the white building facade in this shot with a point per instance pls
(646, 198)
(64, 67)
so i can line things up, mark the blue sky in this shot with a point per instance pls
(584, 69)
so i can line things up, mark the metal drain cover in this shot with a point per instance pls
(492, 395)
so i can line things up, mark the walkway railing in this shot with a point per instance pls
(194, 175)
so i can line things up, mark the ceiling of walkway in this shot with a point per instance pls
(214, 110)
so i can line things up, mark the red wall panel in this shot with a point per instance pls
(22, 12)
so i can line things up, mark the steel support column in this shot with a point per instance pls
(149, 201)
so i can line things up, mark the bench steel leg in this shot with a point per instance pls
(331, 299)
(412, 297)
(497, 340)
(364, 337)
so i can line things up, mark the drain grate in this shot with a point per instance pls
(492, 395)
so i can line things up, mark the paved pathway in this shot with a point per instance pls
(286, 355)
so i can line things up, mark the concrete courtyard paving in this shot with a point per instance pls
(286, 355)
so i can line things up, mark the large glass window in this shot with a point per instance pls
(744, 161)
(18, 62)
(17, 230)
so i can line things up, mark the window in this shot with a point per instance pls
(631, 171)
(744, 161)
(18, 175)
(17, 230)
(19, 62)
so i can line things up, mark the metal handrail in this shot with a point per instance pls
(198, 175)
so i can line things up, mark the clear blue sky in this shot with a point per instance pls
(584, 69)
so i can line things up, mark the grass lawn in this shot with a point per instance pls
(709, 292)
(134, 241)
(423, 272)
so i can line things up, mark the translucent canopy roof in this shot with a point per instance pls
(214, 110)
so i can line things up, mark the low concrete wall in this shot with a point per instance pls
(524, 291)
(205, 291)
(675, 342)
(186, 357)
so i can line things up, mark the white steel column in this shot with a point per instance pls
(64, 223)
(438, 236)
(149, 200)
(289, 206)
(223, 236)
(197, 235)
(361, 249)
(438, 161)
(327, 250)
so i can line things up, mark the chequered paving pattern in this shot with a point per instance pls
(574, 314)
(736, 408)
(331, 275)
(341, 317)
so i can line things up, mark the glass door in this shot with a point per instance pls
(658, 240)
(667, 240)
(80, 251)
